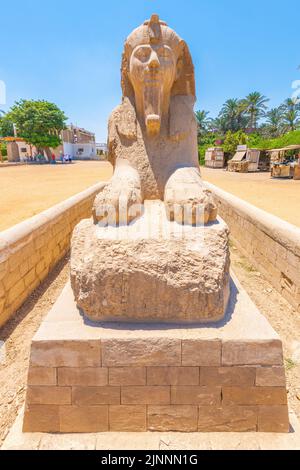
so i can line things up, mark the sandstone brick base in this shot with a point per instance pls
(92, 378)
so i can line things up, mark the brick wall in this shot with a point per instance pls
(270, 243)
(156, 385)
(29, 250)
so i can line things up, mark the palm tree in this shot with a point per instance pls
(241, 115)
(274, 121)
(233, 115)
(291, 114)
(229, 113)
(255, 104)
(218, 125)
(291, 105)
(203, 121)
(291, 119)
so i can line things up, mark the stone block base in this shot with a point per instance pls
(87, 377)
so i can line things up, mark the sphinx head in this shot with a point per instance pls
(156, 64)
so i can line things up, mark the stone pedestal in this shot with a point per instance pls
(151, 270)
(93, 377)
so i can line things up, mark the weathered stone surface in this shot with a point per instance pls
(138, 352)
(96, 395)
(181, 418)
(41, 376)
(273, 419)
(201, 353)
(254, 395)
(147, 395)
(48, 395)
(252, 353)
(173, 375)
(152, 141)
(270, 376)
(127, 418)
(85, 376)
(65, 353)
(119, 276)
(83, 418)
(152, 135)
(242, 376)
(227, 418)
(127, 376)
(193, 395)
(41, 418)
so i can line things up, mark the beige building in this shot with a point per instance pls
(76, 142)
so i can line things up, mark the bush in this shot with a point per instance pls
(3, 149)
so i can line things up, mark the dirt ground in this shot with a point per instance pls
(29, 189)
(17, 335)
(278, 196)
(18, 332)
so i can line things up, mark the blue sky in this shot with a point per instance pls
(69, 52)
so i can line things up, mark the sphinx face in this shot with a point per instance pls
(152, 71)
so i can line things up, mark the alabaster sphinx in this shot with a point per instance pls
(152, 135)
(152, 142)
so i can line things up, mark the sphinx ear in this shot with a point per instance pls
(185, 82)
(179, 67)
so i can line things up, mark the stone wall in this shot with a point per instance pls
(156, 385)
(270, 243)
(30, 249)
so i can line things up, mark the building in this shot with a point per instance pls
(77, 142)
(101, 148)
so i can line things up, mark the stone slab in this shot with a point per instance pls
(242, 321)
(17, 440)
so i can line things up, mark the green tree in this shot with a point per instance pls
(274, 121)
(255, 106)
(38, 122)
(233, 115)
(219, 125)
(6, 127)
(203, 122)
(232, 140)
(291, 120)
(229, 113)
(291, 115)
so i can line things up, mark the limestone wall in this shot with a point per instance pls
(270, 243)
(30, 249)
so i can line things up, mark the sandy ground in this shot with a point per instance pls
(29, 189)
(278, 196)
(18, 332)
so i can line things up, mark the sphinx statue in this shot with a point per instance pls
(152, 141)
(152, 135)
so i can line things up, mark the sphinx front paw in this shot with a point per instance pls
(190, 205)
(117, 204)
